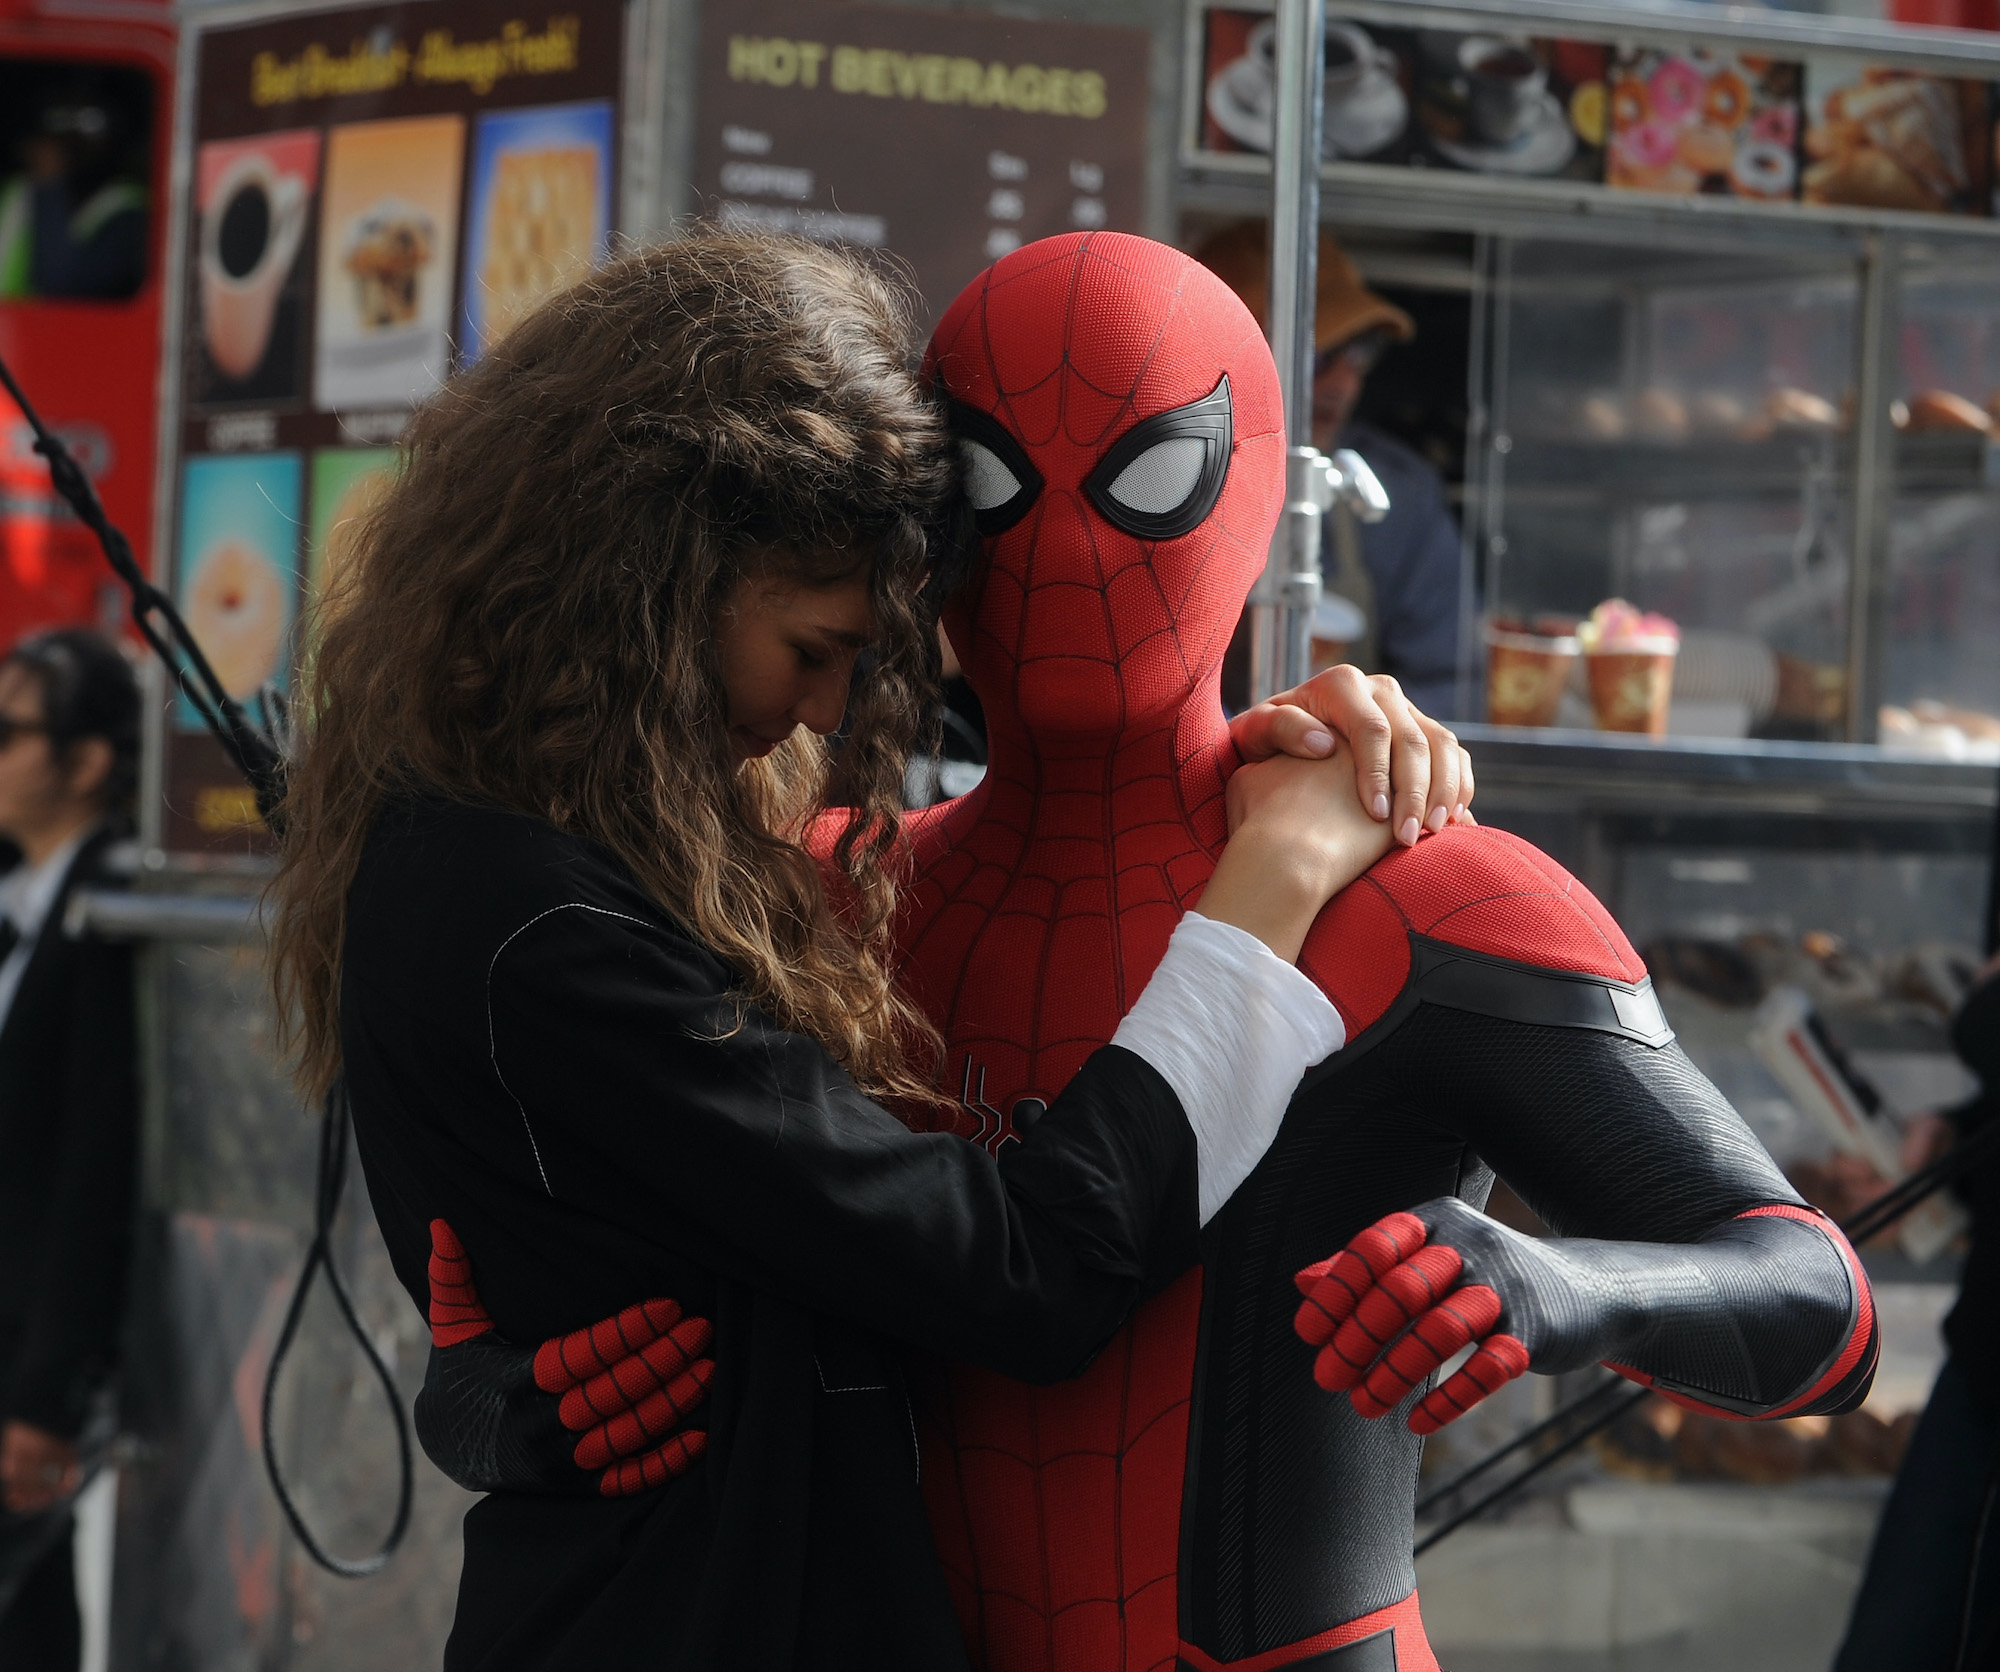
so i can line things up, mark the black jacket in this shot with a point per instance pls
(1972, 1329)
(538, 1054)
(69, 1123)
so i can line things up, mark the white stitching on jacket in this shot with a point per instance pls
(492, 1047)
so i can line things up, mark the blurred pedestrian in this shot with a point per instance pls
(1930, 1599)
(73, 220)
(69, 757)
(1401, 574)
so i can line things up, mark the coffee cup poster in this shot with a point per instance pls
(1483, 102)
(254, 201)
(366, 198)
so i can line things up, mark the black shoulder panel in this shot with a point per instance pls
(1457, 978)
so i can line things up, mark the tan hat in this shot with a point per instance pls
(1240, 256)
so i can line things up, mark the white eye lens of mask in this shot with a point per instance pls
(1160, 479)
(988, 483)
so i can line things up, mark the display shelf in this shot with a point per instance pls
(1728, 468)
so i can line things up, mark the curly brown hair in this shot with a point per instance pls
(527, 619)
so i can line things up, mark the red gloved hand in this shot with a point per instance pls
(1389, 1310)
(601, 1408)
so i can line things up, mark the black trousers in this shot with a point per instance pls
(40, 1628)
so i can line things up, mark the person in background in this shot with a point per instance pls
(1930, 1598)
(69, 1106)
(73, 220)
(1405, 576)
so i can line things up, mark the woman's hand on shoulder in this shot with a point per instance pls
(1406, 764)
(1298, 835)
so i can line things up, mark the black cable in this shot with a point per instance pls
(332, 1184)
(1886, 1209)
(257, 754)
(1870, 1221)
(1507, 1488)
(1556, 1419)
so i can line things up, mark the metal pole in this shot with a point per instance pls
(1874, 485)
(1280, 609)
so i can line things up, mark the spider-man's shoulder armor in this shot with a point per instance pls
(1478, 920)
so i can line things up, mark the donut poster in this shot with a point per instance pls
(1720, 124)
(239, 526)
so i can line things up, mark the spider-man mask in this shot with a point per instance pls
(1118, 413)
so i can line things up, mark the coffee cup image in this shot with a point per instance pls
(1504, 84)
(249, 236)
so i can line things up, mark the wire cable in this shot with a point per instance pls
(331, 1186)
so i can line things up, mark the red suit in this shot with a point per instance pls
(1194, 1499)
(1067, 1518)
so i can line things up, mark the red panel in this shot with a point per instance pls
(90, 368)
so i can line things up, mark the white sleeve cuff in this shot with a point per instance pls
(1232, 1028)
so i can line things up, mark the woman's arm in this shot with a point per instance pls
(643, 1084)
(648, 1092)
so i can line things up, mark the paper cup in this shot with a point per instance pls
(1630, 690)
(1525, 676)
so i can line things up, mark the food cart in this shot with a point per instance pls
(1690, 349)
(1726, 284)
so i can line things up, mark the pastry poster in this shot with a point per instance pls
(1719, 124)
(253, 212)
(388, 245)
(539, 214)
(363, 193)
(239, 526)
(1883, 138)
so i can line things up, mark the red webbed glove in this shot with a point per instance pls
(1389, 1310)
(601, 1409)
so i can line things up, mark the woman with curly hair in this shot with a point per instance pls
(593, 925)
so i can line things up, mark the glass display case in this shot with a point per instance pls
(1725, 284)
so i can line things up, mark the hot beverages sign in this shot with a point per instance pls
(375, 194)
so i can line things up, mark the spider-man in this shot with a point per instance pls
(1194, 1499)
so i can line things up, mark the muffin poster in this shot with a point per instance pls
(539, 215)
(1719, 124)
(239, 567)
(253, 206)
(388, 235)
(1879, 138)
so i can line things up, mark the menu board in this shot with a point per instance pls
(945, 138)
(1679, 119)
(376, 194)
